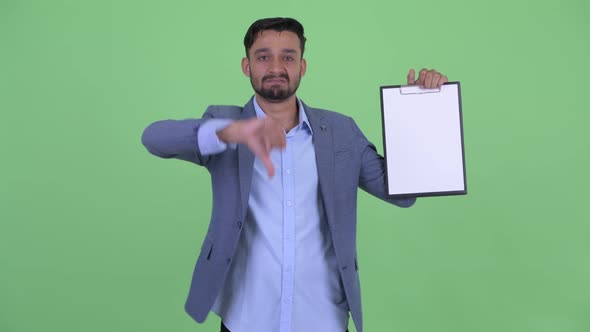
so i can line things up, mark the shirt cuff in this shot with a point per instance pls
(207, 138)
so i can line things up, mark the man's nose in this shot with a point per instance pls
(276, 66)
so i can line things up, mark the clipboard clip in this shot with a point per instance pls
(416, 90)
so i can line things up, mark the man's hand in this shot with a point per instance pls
(259, 135)
(427, 79)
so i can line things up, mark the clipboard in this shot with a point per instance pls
(423, 141)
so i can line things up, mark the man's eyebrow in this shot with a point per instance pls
(285, 50)
(262, 50)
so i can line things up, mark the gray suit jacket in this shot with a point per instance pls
(345, 161)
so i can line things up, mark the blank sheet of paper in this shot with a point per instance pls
(423, 140)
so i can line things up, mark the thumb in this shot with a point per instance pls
(268, 165)
(411, 77)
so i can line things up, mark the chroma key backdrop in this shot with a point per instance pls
(97, 235)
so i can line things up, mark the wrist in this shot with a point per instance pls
(229, 134)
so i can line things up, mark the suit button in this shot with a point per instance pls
(229, 260)
(239, 224)
(344, 267)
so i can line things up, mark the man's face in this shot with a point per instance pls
(274, 65)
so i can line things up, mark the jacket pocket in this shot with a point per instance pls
(341, 154)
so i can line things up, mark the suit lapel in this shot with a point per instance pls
(245, 162)
(324, 155)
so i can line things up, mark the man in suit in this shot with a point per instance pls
(280, 250)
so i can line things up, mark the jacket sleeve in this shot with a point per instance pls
(176, 138)
(372, 172)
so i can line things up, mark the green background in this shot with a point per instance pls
(98, 235)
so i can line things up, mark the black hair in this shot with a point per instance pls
(276, 24)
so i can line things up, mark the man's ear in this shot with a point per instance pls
(246, 66)
(303, 67)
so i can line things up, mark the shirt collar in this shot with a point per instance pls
(303, 121)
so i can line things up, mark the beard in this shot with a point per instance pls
(275, 93)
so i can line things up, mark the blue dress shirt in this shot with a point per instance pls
(284, 276)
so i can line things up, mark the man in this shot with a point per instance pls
(280, 251)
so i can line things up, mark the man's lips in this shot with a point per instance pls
(275, 80)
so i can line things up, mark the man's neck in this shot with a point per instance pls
(285, 112)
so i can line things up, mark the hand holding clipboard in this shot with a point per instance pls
(423, 137)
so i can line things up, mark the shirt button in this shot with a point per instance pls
(288, 171)
(289, 203)
(288, 237)
(287, 268)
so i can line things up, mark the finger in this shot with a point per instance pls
(277, 138)
(422, 77)
(264, 155)
(258, 147)
(434, 81)
(268, 165)
(275, 135)
(428, 80)
(443, 79)
(282, 142)
(412, 77)
(267, 143)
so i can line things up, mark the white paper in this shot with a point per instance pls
(423, 140)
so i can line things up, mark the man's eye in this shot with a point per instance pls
(289, 58)
(263, 58)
